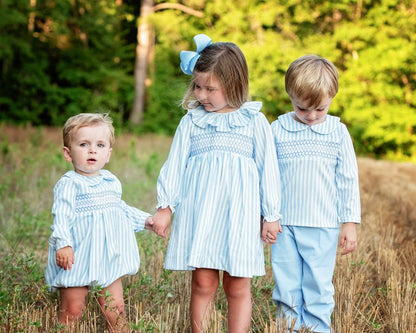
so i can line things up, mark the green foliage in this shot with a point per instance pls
(67, 61)
(59, 58)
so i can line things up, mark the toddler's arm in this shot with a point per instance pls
(348, 238)
(161, 221)
(270, 231)
(65, 257)
(148, 223)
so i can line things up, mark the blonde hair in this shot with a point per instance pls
(311, 78)
(227, 63)
(86, 119)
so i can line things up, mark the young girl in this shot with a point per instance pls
(93, 241)
(320, 193)
(221, 177)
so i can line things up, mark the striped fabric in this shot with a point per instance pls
(220, 176)
(319, 173)
(90, 216)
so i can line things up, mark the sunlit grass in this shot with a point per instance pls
(375, 286)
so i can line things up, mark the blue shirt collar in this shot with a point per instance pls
(291, 125)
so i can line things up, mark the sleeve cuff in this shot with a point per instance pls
(272, 218)
(164, 205)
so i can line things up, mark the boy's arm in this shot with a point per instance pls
(348, 238)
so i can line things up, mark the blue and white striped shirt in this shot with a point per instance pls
(319, 173)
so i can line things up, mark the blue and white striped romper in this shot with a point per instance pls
(90, 216)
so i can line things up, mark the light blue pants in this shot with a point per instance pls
(303, 262)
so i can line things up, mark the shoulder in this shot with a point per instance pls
(288, 123)
(66, 184)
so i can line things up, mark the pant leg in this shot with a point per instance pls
(317, 247)
(287, 272)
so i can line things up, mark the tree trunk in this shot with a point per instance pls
(144, 33)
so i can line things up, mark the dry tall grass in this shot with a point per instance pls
(375, 286)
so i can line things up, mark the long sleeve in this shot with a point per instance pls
(268, 168)
(171, 174)
(348, 204)
(63, 213)
(135, 215)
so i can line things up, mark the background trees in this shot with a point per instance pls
(58, 58)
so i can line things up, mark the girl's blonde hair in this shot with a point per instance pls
(86, 119)
(227, 63)
(311, 78)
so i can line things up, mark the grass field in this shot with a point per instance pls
(375, 286)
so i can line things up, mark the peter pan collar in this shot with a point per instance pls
(224, 122)
(290, 124)
(91, 181)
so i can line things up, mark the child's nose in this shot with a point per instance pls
(202, 95)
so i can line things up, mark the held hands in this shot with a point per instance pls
(148, 223)
(161, 221)
(270, 231)
(348, 238)
(65, 257)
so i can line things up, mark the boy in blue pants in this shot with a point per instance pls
(320, 193)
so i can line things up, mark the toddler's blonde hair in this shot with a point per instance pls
(311, 78)
(86, 119)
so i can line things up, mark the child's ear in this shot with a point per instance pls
(109, 154)
(67, 154)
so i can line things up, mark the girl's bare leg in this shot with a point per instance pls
(72, 304)
(204, 287)
(112, 305)
(238, 292)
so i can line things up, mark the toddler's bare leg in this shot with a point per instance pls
(72, 304)
(112, 305)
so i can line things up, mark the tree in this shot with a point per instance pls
(145, 39)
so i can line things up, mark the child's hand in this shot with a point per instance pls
(65, 257)
(348, 238)
(269, 231)
(149, 223)
(161, 221)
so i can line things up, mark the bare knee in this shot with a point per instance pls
(112, 305)
(205, 281)
(236, 287)
(72, 304)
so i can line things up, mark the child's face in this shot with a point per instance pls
(310, 115)
(90, 149)
(209, 92)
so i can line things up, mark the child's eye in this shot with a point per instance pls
(101, 145)
(83, 144)
(301, 109)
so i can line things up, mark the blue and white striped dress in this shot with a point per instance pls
(90, 216)
(220, 177)
(319, 173)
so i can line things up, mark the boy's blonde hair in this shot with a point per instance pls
(311, 78)
(227, 63)
(87, 119)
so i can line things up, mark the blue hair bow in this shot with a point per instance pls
(189, 58)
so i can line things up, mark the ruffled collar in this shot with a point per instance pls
(224, 122)
(290, 124)
(90, 181)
